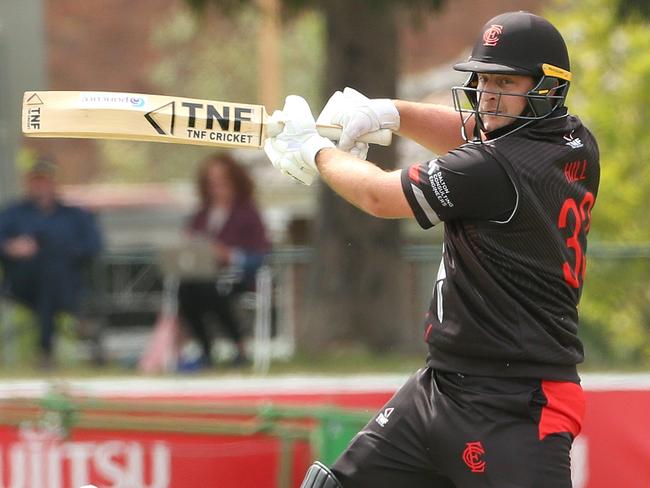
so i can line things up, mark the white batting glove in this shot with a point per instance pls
(358, 115)
(294, 150)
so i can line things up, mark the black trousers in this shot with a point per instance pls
(46, 295)
(197, 299)
(446, 430)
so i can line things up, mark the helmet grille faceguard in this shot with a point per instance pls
(546, 96)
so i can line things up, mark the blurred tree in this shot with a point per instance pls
(630, 8)
(354, 291)
(608, 41)
(199, 60)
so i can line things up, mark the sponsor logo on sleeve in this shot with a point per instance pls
(573, 142)
(383, 417)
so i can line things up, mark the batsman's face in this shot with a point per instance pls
(499, 98)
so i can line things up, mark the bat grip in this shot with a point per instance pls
(382, 137)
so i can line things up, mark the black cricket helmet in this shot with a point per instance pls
(518, 43)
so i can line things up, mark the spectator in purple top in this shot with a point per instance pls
(228, 217)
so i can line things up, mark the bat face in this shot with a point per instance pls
(112, 115)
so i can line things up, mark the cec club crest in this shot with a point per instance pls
(491, 35)
(472, 455)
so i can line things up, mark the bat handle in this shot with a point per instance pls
(382, 137)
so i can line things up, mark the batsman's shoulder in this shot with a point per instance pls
(467, 154)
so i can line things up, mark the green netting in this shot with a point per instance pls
(327, 429)
(334, 430)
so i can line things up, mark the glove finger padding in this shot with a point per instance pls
(358, 115)
(339, 103)
(292, 165)
(383, 109)
(359, 150)
(298, 117)
(334, 105)
(274, 150)
(353, 94)
(356, 124)
(289, 162)
(294, 150)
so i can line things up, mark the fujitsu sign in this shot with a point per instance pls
(40, 459)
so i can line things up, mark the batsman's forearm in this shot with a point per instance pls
(436, 127)
(364, 185)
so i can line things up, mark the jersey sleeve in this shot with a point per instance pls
(466, 183)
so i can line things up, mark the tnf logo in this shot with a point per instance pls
(382, 418)
(574, 143)
(472, 456)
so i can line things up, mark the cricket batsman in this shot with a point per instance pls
(499, 401)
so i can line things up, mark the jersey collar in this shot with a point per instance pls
(521, 123)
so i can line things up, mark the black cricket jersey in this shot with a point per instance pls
(517, 210)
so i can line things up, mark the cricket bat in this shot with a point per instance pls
(159, 118)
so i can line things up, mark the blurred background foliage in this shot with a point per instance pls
(608, 41)
(211, 57)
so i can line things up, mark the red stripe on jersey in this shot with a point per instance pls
(414, 173)
(564, 410)
(427, 332)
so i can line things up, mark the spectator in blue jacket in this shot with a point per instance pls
(45, 248)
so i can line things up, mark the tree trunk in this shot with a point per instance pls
(354, 293)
